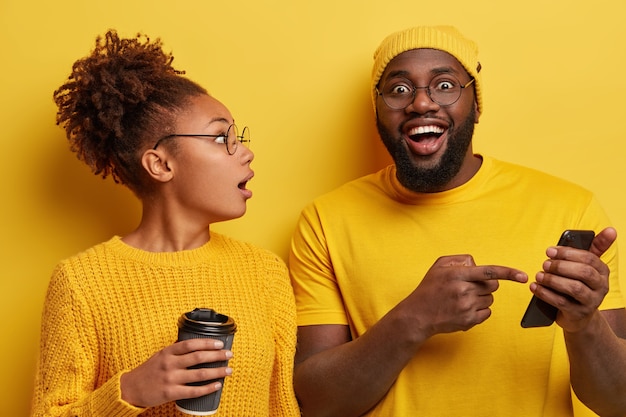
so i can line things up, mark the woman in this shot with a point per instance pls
(109, 327)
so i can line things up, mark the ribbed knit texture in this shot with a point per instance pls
(443, 38)
(112, 307)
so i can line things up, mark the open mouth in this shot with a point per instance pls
(419, 133)
(425, 140)
(243, 186)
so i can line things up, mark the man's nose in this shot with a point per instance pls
(422, 103)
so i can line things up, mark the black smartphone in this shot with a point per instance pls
(539, 313)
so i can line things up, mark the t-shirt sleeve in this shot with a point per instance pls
(615, 297)
(318, 297)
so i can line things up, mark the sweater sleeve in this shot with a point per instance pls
(66, 382)
(283, 401)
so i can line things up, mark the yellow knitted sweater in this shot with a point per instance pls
(110, 308)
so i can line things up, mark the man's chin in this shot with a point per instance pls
(425, 162)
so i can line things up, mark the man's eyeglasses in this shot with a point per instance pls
(443, 89)
(231, 138)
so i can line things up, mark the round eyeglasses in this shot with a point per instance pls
(443, 89)
(231, 138)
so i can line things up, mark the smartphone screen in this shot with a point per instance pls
(539, 313)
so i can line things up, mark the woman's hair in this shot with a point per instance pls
(118, 101)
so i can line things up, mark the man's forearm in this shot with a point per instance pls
(350, 379)
(598, 367)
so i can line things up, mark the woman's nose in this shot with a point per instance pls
(246, 153)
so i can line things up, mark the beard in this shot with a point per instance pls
(431, 179)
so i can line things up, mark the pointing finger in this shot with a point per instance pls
(495, 272)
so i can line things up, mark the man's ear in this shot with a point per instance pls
(156, 165)
(477, 112)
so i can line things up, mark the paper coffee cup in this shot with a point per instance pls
(203, 323)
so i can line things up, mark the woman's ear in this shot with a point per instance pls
(156, 165)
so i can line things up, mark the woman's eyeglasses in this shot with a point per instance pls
(231, 138)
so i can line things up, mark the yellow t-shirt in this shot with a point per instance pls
(111, 307)
(364, 247)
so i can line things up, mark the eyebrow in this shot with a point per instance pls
(219, 120)
(433, 71)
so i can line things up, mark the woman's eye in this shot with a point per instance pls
(221, 138)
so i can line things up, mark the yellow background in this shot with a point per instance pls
(297, 73)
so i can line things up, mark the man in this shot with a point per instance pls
(411, 282)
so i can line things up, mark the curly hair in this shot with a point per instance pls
(117, 100)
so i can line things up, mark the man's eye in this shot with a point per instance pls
(400, 90)
(445, 85)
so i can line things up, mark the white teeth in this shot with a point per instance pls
(420, 130)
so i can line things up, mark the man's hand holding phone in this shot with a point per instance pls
(573, 282)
